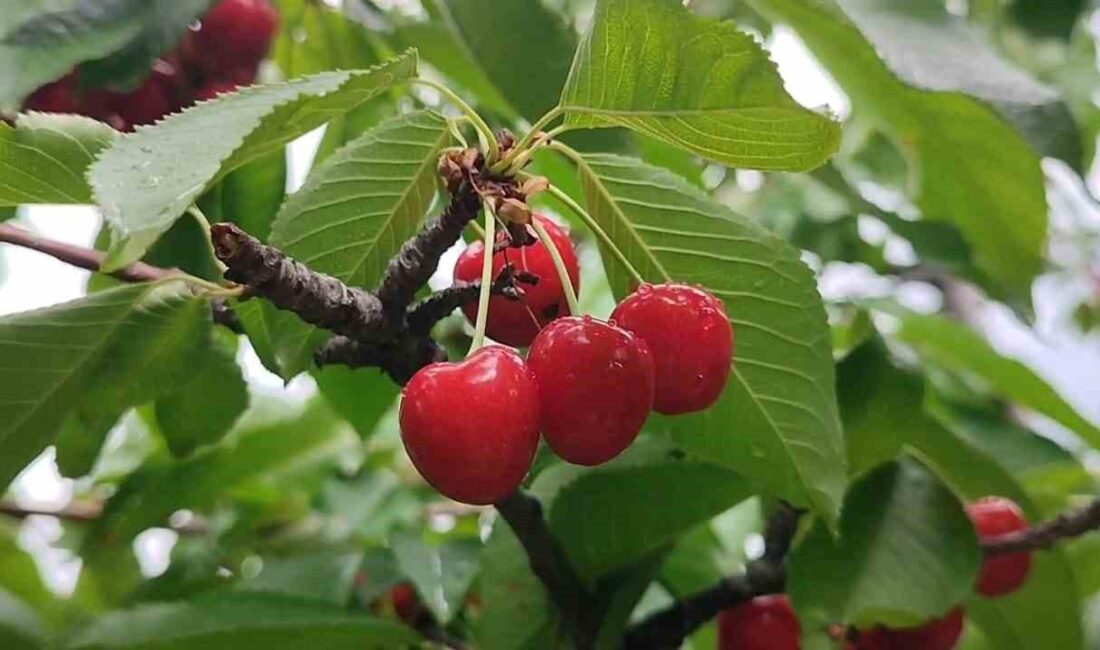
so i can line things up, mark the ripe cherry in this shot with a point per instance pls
(405, 602)
(691, 340)
(1000, 574)
(235, 34)
(516, 322)
(595, 387)
(56, 97)
(937, 634)
(763, 623)
(213, 89)
(472, 427)
(150, 101)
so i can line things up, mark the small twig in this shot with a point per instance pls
(423, 316)
(551, 565)
(1048, 533)
(669, 627)
(88, 511)
(80, 257)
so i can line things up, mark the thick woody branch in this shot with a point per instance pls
(423, 316)
(669, 627)
(1048, 533)
(551, 565)
(399, 358)
(91, 260)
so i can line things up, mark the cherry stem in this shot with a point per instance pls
(486, 280)
(482, 127)
(559, 266)
(525, 143)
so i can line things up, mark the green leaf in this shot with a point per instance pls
(441, 573)
(206, 406)
(956, 347)
(230, 622)
(20, 626)
(50, 355)
(776, 423)
(604, 526)
(252, 195)
(146, 180)
(327, 577)
(313, 37)
(44, 157)
(19, 575)
(697, 83)
(1046, 611)
(906, 552)
(260, 452)
(353, 214)
(968, 165)
(494, 36)
(362, 396)
(160, 25)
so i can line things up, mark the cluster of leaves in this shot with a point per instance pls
(295, 517)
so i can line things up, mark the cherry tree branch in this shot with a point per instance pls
(668, 628)
(78, 256)
(1046, 534)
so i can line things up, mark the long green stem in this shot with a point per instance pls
(486, 280)
(519, 161)
(559, 266)
(204, 223)
(475, 119)
(525, 143)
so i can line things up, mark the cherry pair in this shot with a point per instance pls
(220, 54)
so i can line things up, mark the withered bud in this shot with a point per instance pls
(506, 139)
(534, 185)
(456, 166)
(514, 210)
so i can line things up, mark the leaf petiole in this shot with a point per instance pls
(482, 127)
(559, 266)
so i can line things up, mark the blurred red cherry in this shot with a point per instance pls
(1005, 573)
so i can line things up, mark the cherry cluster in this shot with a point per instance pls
(769, 622)
(471, 428)
(218, 54)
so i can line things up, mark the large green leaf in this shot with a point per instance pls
(20, 626)
(968, 165)
(1046, 611)
(231, 622)
(956, 347)
(50, 356)
(250, 196)
(44, 157)
(327, 576)
(441, 573)
(906, 552)
(354, 213)
(603, 525)
(362, 396)
(256, 452)
(313, 37)
(697, 83)
(504, 39)
(777, 421)
(146, 180)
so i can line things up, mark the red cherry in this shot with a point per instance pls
(472, 427)
(150, 101)
(405, 602)
(763, 623)
(937, 634)
(516, 322)
(1000, 574)
(690, 338)
(595, 388)
(56, 97)
(234, 34)
(213, 89)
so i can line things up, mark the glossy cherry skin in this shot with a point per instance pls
(471, 428)
(234, 35)
(763, 623)
(406, 604)
(150, 101)
(691, 340)
(938, 634)
(1000, 574)
(595, 388)
(516, 322)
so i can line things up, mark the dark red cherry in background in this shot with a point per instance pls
(212, 90)
(763, 623)
(472, 427)
(595, 388)
(1000, 574)
(938, 634)
(516, 322)
(60, 96)
(235, 34)
(691, 340)
(405, 602)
